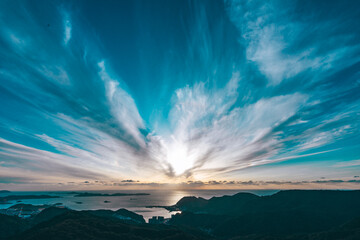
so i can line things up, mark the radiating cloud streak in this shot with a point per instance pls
(207, 134)
(23, 161)
(122, 106)
(248, 90)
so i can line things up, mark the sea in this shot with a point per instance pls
(137, 204)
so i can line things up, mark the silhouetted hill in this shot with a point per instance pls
(48, 214)
(192, 204)
(347, 231)
(84, 225)
(215, 205)
(286, 212)
(284, 200)
(121, 214)
(62, 223)
(11, 225)
(128, 214)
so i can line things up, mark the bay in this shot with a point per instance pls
(133, 203)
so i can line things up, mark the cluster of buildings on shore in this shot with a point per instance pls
(160, 219)
(22, 212)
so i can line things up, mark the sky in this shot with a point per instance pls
(182, 94)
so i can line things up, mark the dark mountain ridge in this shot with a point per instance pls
(283, 200)
(286, 212)
(84, 225)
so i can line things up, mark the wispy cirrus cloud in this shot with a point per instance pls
(209, 132)
(215, 129)
(248, 89)
(93, 128)
(21, 161)
(348, 164)
(122, 106)
(283, 43)
(67, 27)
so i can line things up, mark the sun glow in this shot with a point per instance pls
(179, 158)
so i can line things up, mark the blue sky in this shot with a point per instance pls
(225, 94)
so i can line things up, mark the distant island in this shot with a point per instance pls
(6, 199)
(87, 194)
(173, 208)
(4, 191)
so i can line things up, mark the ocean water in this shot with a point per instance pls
(133, 203)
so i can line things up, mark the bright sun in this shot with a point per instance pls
(179, 158)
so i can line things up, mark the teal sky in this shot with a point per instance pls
(232, 94)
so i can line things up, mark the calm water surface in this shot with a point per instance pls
(133, 203)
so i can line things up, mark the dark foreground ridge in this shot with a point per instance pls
(62, 223)
(286, 215)
(280, 215)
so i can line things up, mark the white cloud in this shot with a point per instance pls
(208, 132)
(351, 163)
(96, 127)
(270, 37)
(67, 28)
(40, 164)
(122, 106)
